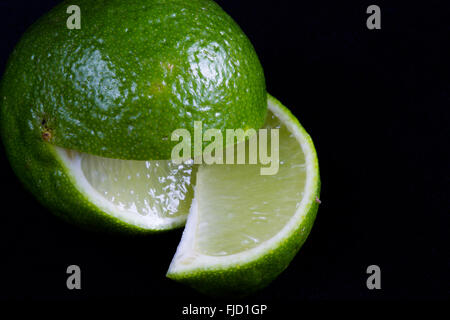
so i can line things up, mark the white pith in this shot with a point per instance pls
(187, 259)
(72, 161)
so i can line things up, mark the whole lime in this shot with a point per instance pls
(117, 88)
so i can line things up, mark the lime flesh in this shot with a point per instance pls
(249, 208)
(154, 195)
(144, 187)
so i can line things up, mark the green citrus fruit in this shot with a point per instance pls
(244, 228)
(116, 89)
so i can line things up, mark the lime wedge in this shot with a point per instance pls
(150, 195)
(244, 228)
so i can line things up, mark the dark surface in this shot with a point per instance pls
(377, 106)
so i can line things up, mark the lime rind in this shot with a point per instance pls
(247, 271)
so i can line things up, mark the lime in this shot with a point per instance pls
(117, 88)
(244, 228)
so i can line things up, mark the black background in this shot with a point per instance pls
(376, 103)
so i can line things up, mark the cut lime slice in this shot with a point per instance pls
(151, 195)
(244, 228)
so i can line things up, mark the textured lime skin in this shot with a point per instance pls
(256, 274)
(135, 71)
